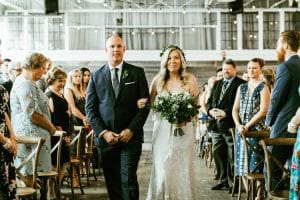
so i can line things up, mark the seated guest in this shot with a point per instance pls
(30, 116)
(14, 70)
(60, 114)
(249, 111)
(268, 76)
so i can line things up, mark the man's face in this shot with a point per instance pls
(115, 50)
(280, 50)
(228, 71)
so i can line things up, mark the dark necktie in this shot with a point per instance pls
(224, 87)
(115, 80)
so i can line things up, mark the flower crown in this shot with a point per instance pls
(171, 46)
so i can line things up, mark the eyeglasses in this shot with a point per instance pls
(17, 70)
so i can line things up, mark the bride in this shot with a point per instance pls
(172, 169)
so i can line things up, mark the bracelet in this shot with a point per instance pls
(7, 144)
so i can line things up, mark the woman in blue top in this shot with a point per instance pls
(249, 111)
(30, 114)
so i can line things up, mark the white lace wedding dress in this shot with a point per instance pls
(172, 176)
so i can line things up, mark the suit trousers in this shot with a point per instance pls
(222, 149)
(120, 163)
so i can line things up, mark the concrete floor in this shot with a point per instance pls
(204, 176)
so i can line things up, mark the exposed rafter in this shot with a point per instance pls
(10, 5)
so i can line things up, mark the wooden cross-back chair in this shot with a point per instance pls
(88, 157)
(253, 177)
(74, 162)
(53, 175)
(29, 191)
(276, 194)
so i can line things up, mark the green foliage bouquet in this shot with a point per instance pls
(176, 108)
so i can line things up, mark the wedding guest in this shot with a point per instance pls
(117, 122)
(268, 76)
(172, 175)
(86, 73)
(60, 114)
(29, 115)
(293, 127)
(219, 107)
(76, 100)
(245, 76)
(4, 70)
(14, 69)
(249, 111)
(8, 149)
(42, 83)
(219, 73)
(284, 100)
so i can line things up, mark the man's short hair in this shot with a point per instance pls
(229, 62)
(292, 38)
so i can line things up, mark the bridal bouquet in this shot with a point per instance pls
(176, 108)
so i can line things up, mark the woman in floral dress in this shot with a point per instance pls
(7, 149)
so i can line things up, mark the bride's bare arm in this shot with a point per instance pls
(153, 89)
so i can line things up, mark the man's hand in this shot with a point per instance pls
(111, 137)
(126, 135)
(218, 114)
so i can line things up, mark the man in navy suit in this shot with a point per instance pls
(285, 99)
(111, 107)
(219, 107)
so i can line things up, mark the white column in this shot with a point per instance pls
(260, 30)
(46, 33)
(281, 21)
(67, 36)
(239, 20)
(218, 32)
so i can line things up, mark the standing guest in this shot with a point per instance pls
(42, 83)
(14, 70)
(60, 114)
(4, 70)
(293, 127)
(86, 73)
(29, 115)
(8, 149)
(285, 99)
(268, 76)
(249, 111)
(75, 97)
(111, 106)
(245, 76)
(172, 175)
(76, 100)
(219, 107)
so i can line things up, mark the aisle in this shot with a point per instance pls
(203, 175)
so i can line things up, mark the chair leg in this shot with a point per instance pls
(233, 186)
(79, 179)
(240, 188)
(71, 179)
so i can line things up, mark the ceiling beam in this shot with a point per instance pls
(278, 3)
(10, 5)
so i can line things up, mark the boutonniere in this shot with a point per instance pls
(125, 74)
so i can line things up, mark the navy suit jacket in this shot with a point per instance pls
(106, 112)
(226, 104)
(285, 99)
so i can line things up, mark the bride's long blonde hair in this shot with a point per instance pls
(164, 73)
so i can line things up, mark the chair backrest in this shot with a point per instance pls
(35, 153)
(268, 156)
(58, 147)
(90, 141)
(79, 140)
(253, 134)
